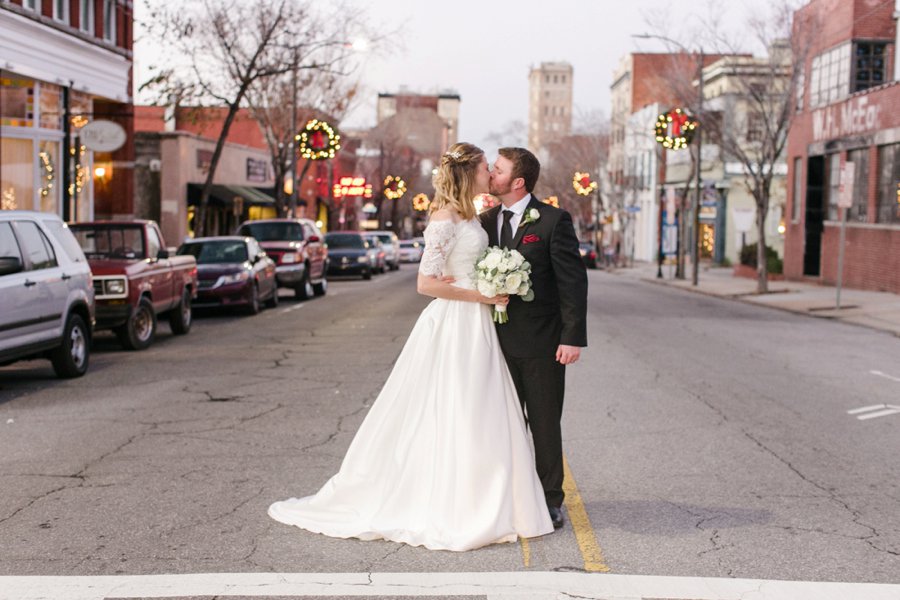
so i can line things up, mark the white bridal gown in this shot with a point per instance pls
(442, 459)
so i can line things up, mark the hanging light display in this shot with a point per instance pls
(421, 202)
(394, 187)
(675, 129)
(583, 184)
(318, 141)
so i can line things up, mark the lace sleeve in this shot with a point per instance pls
(440, 237)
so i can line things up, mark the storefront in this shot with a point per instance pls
(54, 81)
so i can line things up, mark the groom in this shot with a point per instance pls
(545, 335)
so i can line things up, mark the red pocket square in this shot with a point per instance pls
(530, 239)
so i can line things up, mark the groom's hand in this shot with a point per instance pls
(566, 355)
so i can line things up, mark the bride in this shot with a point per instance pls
(442, 459)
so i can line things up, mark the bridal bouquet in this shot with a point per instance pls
(502, 271)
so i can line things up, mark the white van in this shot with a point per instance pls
(46, 293)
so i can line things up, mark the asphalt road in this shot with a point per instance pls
(706, 437)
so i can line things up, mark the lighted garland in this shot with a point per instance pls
(583, 184)
(318, 141)
(48, 173)
(675, 129)
(394, 187)
(421, 202)
(552, 201)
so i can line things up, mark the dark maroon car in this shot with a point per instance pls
(233, 271)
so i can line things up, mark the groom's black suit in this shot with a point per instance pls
(557, 315)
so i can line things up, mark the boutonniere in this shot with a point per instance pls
(530, 217)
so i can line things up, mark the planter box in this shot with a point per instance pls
(750, 273)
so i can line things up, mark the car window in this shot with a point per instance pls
(65, 238)
(386, 238)
(344, 240)
(9, 248)
(216, 252)
(307, 231)
(153, 243)
(273, 232)
(36, 246)
(110, 241)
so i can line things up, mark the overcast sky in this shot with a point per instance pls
(483, 49)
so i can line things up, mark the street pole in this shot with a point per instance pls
(697, 239)
(293, 148)
(660, 154)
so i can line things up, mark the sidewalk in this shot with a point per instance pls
(876, 310)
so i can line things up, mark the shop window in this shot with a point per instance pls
(51, 106)
(798, 190)
(860, 208)
(16, 174)
(16, 101)
(868, 65)
(49, 176)
(834, 185)
(888, 184)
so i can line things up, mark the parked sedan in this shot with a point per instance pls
(233, 271)
(588, 255)
(348, 254)
(376, 253)
(391, 248)
(411, 251)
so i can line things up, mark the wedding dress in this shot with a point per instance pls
(442, 459)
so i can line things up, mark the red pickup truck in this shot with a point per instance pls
(135, 279)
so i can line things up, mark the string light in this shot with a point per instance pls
(394, 187)
(552, 201)
(675, 129)
(421, 202)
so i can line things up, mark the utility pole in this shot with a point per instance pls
(293, 146)
(697, 239)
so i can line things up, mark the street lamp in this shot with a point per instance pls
(695, 242)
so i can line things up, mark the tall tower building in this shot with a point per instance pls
(550, 103)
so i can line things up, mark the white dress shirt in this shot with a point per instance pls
(518, 210)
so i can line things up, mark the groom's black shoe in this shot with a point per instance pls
(556, 516)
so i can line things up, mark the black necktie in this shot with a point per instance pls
(506, 235)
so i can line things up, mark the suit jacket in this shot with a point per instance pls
(558, 313)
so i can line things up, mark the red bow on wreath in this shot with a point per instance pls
(317, 140)
(678, 121)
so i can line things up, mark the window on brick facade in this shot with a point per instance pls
(756, 127)
(829, 79)
(86, 15)
(30, 4)
(61, 10)
(860, 209)
(888, 184)
(798, 190)
(868, 65)
(109, 20)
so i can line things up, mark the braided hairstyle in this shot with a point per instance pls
(454, 182)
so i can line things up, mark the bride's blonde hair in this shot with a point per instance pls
(454, 182)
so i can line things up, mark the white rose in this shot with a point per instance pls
(485, 288)
(534, 214)
(492, 260)
(516, 259)
(481, 264)
(513, 281)
(504, 266)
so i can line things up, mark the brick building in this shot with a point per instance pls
(549, 104)
(66, 65)
(849, 111)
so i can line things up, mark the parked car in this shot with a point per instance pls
(46, 295)
(588, 255)
(348, 254)
(411, 251)
(391, 248)
(296, 246)
(233, 271)
(376, 253)
(136, 281)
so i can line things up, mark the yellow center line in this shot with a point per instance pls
(581, 525)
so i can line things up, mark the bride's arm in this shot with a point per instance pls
(440, 237)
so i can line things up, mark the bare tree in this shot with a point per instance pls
(750, 123)
(217, 51)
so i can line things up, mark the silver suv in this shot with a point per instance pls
(46, 295)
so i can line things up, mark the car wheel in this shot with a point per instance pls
(321, 288)
(367, 274)
(272, 302)
(139, 331)
(304, 289)
(180, 317)
(253, 305)
(71, 358)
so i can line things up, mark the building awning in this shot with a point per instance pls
(225, 195)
